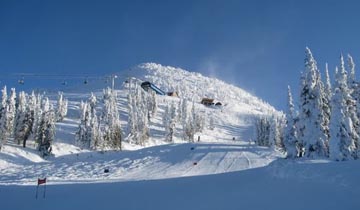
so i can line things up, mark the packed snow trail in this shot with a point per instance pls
(282, 185)
(166, 161)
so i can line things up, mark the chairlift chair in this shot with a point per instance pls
(21, 81)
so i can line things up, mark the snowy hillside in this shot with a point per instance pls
(195, 86)
(224, 170)
(234, 119)
(232, 134)
(282, 185)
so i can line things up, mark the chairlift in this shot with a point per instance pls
(64, 83)
(85, 81)
(21, 81)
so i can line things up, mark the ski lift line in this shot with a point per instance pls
(60, 76)
(75, 76)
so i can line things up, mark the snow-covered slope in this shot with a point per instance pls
(225, 170)
(195, 86)
(235, 119)
(158, 162)
(282, 185)
(228, 147)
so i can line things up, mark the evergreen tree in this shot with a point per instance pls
(46, 130)
(291, 135)
(11, 112)
(327, 102)
(92, 103)
(190, 124)
(166, 120)
(139, 114)
(328, 91)
(7, 115)
(262, 130)
(24, 120)
(273, 133)
(61, 107)
(83, 139)
(169, 120)
(354, 87)
(29, 119)
(341, 144)
(37, 99)
(280, 141)
(3, 110)
(312, 128)
(112, 129)
(351, 78)
(96, 137)
(132, 126)
(275, 138)
(184, 117)
(343, 131)
(152, 103)
(96, 134)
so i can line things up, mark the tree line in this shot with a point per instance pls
(326, 123)
(23, 115)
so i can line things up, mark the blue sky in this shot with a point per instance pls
(255, 44)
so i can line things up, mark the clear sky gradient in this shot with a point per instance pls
(255, 44)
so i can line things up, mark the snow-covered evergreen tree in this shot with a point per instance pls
(152, 103)
(262, 131)
(273, 133)
(354, 88)
(8, 111)
(185, 117)
(279, 134)
(92, 103)
(46, 130)
(290, 133)
(29, 119)
(132, 129)
(275, 137)
(11, 112)
(190, 123)
(37, 99)
(62, 107)
(139, 114)
(328, 91)
(3, 110)
(94, 129)
(344, 119)
(169, 120)
(327, 102)
(341, 143)
(351, 78)
(166, 119)
(89, 134)
(312, 126)
(95, 133)
(23, 120)
(110, 117)
(83, 139)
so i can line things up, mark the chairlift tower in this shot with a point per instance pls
(113, 77)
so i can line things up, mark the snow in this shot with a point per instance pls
(158, 162)
(282, 185)
(225, 170)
